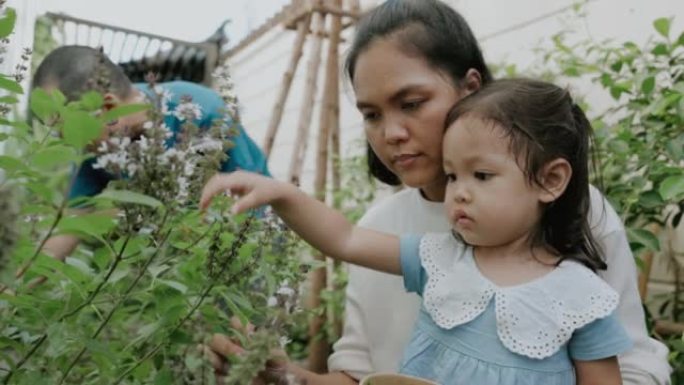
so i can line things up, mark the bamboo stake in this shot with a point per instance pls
(355, 6)
(645, 273)
(334, 122)
(302, 30)
(300, 146)
(319, 348)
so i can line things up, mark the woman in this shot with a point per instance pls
(410, 61)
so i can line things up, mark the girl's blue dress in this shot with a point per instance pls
(470, 331)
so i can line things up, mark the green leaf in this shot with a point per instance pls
(163, 377)
(7, 22)
(43, 105)
(648, 85)
(662, 25)
(617, 90)
(10, 85)
(175, 285)
(91, 224)
(126, 196)
(617, 66)
(606, 80)
(11, 164)
(619, 146)
(660, 50)
(651, 199)
(9, 99)
(230, 301)
(91, 100)
(672, 187)
(123, 110)
(571, 71)
(644, 237)
(680, 41)
(54, 156)
(80, 128)
(675, 148)
(157, 269)
(80, 265)
(660, 105)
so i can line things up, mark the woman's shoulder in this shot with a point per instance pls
(405, 212)
(602, 216)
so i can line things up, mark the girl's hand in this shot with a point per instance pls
(253, 190)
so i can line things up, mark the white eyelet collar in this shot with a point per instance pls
(534, 319)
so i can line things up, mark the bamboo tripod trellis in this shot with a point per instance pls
(317, 19)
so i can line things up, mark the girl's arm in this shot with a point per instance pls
(605, 371)
(324, 228)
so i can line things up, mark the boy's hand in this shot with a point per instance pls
(253, 190)
(221, 348)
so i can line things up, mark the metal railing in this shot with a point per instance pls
(138, 52)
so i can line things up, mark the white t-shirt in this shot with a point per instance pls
(380, 314)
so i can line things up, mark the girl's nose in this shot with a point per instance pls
(462, 195)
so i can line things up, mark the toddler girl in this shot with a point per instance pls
(510, 295)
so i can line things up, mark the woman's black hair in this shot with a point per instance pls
(543, 123)
(429, 28)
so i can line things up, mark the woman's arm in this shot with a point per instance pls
(324, 228)
(605, 371)
(646, 363)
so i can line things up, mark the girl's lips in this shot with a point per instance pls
(461, 218)
(464, 221)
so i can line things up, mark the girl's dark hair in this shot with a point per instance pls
(428, 28)
(75, 70)
(543, 123)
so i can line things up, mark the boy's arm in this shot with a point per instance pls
(221, 349)
(324, 228)
(605, 371)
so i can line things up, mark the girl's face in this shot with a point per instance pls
(404, 102)
(489, 200)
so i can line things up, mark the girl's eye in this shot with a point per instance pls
(483, 175)
(451, 178)
(411, 105)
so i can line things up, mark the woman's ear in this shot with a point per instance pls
(554, 179)
(472, 82)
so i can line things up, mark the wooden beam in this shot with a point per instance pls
(285, 13)
(279, 106)
(301, 142)
(669, 328)
(319, 348)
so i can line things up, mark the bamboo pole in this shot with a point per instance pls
(334, 122)
(644, 275)
(300, 146)
(302, 30)
(355, 6)
(319, 348)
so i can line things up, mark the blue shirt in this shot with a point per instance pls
(244, 155)
(472, 353)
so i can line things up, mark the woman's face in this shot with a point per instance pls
(404, 102)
